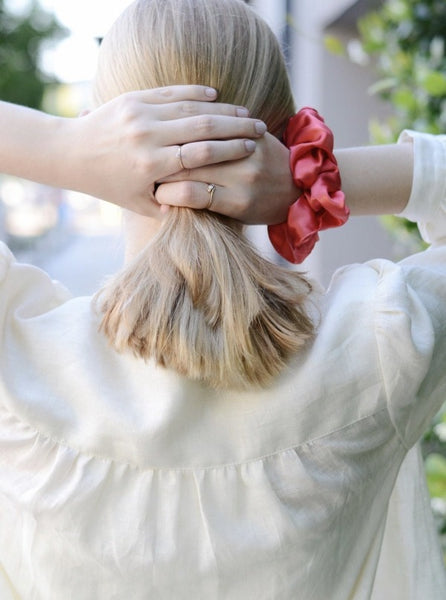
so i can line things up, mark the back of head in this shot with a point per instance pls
(220, 43)
(199, 299)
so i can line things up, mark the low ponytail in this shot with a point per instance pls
(201, 301)
(198, 298)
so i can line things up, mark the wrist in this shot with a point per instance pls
(74, 155)
(66, 153)
(285, 190)
(63, 149)
(30, 144)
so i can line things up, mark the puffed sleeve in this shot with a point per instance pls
(410, 305)
(25, 292)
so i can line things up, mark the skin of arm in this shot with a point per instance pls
(118, 151)
(259, 189)
(376, 180)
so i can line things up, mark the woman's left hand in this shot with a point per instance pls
(257, 189)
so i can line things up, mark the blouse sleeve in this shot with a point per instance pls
(411, 301)
(25, 292)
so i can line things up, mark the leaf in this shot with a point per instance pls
(434, 83)
(383, 85)
(405, 99)
(334, 45)
(436, 475)
(372, 32)
(397, 10)
(436, 48)
(381, 133)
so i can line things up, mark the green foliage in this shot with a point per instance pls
(436, 474)
(334, 45)
(22, 39)
(407, 38)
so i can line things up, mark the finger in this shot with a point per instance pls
(190, 108)
(218, 174)
(200, 154)
(175, 93)
(209, 127)
(193, 194)
(176, 163)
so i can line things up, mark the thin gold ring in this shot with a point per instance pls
(210, 189)
(180, 158)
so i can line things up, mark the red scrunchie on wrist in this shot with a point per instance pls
(315, 171)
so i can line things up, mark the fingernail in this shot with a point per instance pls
(210, 92)
(241, 111)
(260, 127)
(250, 145)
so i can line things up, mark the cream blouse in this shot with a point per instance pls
(121, 480)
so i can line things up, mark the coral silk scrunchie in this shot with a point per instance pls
(315, 172)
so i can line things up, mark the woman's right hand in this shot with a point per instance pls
(121, 149)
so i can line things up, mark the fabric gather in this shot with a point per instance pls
(315, 171)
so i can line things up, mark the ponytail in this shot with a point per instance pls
(201, 301)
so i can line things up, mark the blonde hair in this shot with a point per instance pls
(198, 298)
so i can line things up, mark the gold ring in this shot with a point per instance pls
(180, 159)
(210, 189)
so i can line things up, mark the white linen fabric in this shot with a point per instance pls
(121, 480)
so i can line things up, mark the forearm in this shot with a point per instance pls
(120, 150)
(33, 145)
(376, 180)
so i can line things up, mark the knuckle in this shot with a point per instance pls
(134, 131)
(205, 154)
(189, 107)
(166, 92)
(252, 175)
(127, 108)
(204, 125)
(134, 127)
(144, 164)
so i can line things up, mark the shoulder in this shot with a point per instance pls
(379, 300)
(380, 327)
(397, 317)
(26, 288)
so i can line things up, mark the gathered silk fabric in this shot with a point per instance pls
(315, 171)
(122, 480)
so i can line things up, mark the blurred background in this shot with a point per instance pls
(371, 67)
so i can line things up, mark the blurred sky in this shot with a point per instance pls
(74, 59)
